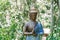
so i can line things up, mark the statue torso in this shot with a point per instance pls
(30, 26)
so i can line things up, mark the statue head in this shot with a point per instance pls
(33, 13)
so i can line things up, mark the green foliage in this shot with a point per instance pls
(4, 5)
(42, 11)
(47, 7)
(8, 33)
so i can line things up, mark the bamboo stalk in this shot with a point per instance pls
(59, 13)
(59, 8)
(52, 23)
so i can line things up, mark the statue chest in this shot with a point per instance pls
(30, 26)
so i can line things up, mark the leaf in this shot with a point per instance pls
(42, 11)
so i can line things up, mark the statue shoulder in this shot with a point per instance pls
(39, 22)
(26, 23)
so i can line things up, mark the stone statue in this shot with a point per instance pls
(33, 29)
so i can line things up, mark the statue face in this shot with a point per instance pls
(33, 16)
